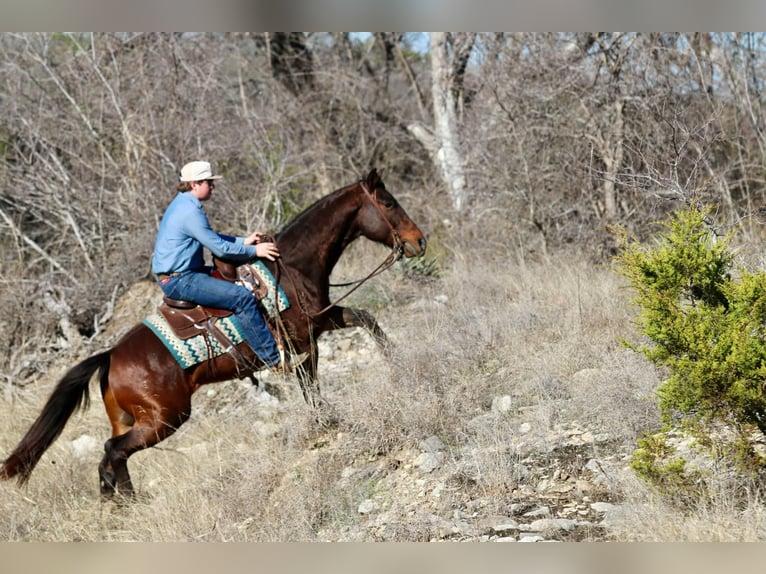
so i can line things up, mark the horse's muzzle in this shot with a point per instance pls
(416, 249)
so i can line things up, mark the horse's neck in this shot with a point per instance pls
(327, 227)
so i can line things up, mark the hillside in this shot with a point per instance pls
(507, 413)
(509, 407)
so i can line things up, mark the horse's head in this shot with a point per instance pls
(382, 219)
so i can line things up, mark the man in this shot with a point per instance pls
(178, 261)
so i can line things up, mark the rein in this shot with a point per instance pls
(392, 258)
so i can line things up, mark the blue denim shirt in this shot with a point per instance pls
(184, 231)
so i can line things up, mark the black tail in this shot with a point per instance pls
(70, 394)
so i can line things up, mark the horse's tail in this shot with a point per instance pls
(69, 395)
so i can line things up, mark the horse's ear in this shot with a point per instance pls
(373, 179)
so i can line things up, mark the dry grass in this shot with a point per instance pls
(244, 468)
(725, 518)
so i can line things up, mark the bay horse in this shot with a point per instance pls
(147, 394)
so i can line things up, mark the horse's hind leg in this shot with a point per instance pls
(147, 396)
(113, 470)
(145, 431)
(122, 423)
(106, 478)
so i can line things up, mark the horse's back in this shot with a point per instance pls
(138, 338)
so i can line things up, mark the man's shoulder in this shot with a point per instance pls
(185, 201)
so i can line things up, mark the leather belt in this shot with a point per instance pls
(165, 277)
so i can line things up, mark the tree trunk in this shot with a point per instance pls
(443, 141)
(291, 60)
(612, 155)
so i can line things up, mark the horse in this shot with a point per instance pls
(147, 394)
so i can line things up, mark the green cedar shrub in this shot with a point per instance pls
(705, 323)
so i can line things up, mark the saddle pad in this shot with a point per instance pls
(265, 276)
(194, 350)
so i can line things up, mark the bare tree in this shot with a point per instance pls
(449, 58)
(541, 140)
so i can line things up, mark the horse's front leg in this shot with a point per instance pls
(307, 377)
(345, 317)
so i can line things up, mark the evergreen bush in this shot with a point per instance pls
(704, 320)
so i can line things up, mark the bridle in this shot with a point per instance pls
(396, 253)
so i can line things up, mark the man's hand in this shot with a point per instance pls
(268, 249)
(253, 238)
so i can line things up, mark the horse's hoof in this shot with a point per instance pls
(326, 415)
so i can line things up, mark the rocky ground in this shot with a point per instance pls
(561, 486)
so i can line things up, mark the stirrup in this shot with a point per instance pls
(286, 367)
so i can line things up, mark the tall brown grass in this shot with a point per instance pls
(249, 468)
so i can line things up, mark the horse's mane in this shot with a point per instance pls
(320, 203)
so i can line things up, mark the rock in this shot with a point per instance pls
(613, 517)
(481, 423)
(561, 487)
(505, 525)
(597, 468)
(262, 398)
(602, 506)
(429, 461)
(530, 537)
(367, 506)
(520, 472)
(464, 529)
(87, 448)
(432, 444)
(326, 351)
(582, 486)
(501, 404)
(466, 471)
(549, 524)
(594, 466)
(541, 511)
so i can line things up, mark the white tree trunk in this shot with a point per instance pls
(442, 141)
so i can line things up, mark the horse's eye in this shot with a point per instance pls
(387, 202)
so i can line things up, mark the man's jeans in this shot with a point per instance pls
(203, 289)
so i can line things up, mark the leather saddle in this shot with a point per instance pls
(188, 319)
